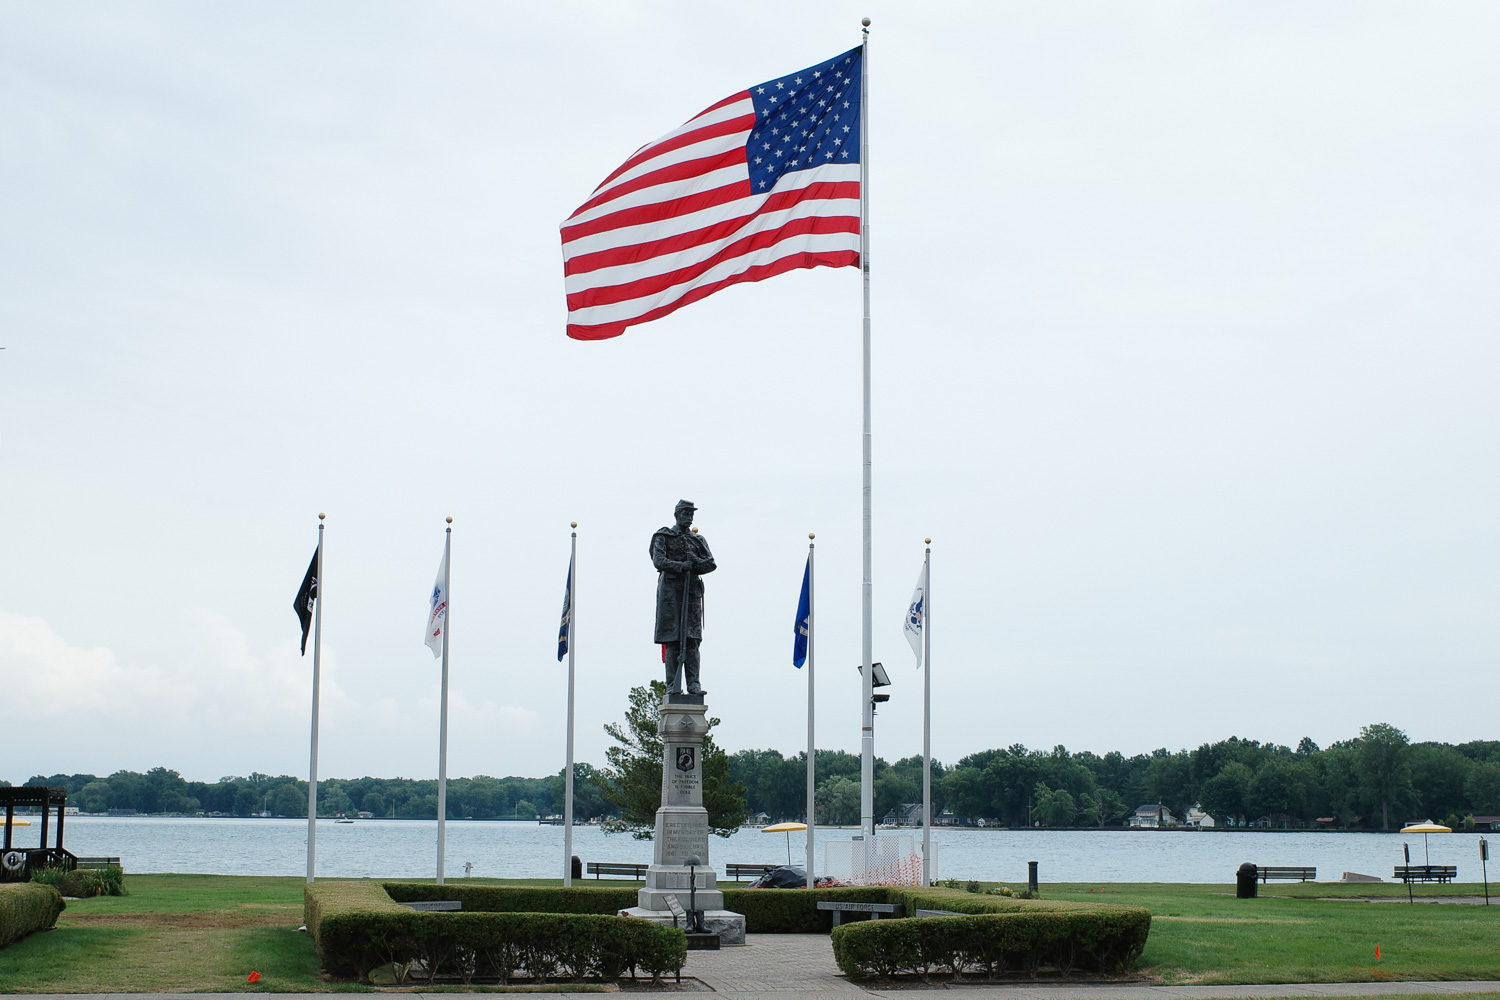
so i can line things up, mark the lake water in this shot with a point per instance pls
(408, 848)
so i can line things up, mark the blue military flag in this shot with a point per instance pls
(804, 618)
(565, 628)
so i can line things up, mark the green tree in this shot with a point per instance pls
(525, 810)
(1225, 793)
(837, 801)
(632, 781)
(289, 802)
(1438, 774)
(1054, 807)
(1383, 755)
(1101, 807)
(1482, 789)
(374, 803)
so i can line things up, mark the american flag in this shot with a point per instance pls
(764, 181)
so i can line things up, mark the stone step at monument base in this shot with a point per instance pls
(728, 925)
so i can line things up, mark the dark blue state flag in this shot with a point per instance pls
(565, 628)
(804, 618)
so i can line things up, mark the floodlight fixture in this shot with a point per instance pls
(882, 679)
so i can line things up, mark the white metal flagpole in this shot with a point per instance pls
(927, 716)
(812, 821)
(442, 802)
(867, 640)
(312, 766)
(568, 774)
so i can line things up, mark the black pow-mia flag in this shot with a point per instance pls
(306, 595)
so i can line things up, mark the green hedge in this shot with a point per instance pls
(603, 900)
(795, 911)
(27, 907)
(358, 927)
(767, 911)
(1099, 938)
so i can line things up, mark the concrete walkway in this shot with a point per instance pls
(801, 967)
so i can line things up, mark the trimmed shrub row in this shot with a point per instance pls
(27, 907)
(1099, 938)
(604, 900)
(357, 927)
(767, 911)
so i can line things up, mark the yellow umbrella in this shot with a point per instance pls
(787, 829)
(1424, 829)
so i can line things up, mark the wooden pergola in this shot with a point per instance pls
(17, 863)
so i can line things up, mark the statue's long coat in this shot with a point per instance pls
(671, 551)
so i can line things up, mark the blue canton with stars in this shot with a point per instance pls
(805, 120)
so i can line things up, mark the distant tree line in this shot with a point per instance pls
(164, 791)
(1377, 780)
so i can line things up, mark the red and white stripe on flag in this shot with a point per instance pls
(682, 217)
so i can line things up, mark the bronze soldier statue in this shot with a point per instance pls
(681, 557)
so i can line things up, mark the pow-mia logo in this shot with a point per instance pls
(685, 758)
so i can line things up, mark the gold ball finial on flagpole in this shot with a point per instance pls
(450, 520)
(321, 515)
(810, 535)
(575, 524)
(928, 541)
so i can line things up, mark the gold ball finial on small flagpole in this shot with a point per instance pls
(450, 520)
(321, 515)
(928, 541)
(575, 524)
(811, 536)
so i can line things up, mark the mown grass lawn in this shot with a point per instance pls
(172, 933)
(196, 933)
(1294, 933)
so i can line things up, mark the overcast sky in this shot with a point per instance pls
(1184, 355)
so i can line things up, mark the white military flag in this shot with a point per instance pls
(916, 616)
(437, 615)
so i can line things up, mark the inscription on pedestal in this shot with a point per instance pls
(684, 781)
(682, 837)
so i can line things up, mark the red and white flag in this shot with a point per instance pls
(764, 181)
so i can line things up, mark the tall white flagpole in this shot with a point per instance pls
(312, 766)
(867, 640)
(442, 803)
(568, 774)
(812, 821)
(927, 716)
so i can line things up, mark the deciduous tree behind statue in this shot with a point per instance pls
(632, 780)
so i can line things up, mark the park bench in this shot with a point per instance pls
(839, 908)
(1288, 872)
(598, 868)
(1426, 873)
(737, 872)
(97, 863)
(431, 905)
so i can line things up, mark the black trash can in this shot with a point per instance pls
(1244, 881)
(577, 866)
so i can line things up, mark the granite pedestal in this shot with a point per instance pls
(682, 828)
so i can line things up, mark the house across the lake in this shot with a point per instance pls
(1152, 816)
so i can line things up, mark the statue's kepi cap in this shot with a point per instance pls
(685, 505)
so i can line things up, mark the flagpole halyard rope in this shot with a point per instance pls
(568, 774)
(812, 820)
(867, 715)
(312, 765)
(442, 803)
